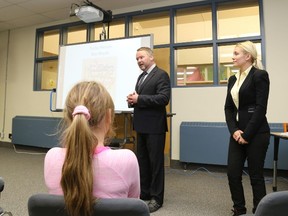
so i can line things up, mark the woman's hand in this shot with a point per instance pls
(238, 138)
(237, 135)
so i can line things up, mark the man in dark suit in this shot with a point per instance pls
(152, 94)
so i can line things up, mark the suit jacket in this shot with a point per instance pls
(150, 110)
(253, 99)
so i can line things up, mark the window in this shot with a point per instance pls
(116, 30)
(49, 74)
(50, 43)
(77, 34)
(233, 20)
(46, 62)
(193, 24)
(156, 24)
(161, 56)
(232, 24)
(194, 66)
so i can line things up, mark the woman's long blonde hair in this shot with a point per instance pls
(80, 142)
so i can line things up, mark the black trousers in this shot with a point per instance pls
(150, 154)
(255, 153)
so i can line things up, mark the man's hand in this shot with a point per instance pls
(132, 98)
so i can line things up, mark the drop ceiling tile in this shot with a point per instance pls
(40, 6)
(30, 20)
(16, 1)
(4, 4)
(12, 12)
(60, 14)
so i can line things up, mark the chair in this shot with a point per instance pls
(273, 204)
(53, 205)
(2, 212)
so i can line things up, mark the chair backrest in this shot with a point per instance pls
(275, 203)
(53, 205)
(1, 189)
(1, 184)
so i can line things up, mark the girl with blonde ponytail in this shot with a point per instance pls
(85, 168)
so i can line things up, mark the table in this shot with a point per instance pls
(128, 127)
(127, 130)
(277, 137)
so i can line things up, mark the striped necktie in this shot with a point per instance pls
(142, 78)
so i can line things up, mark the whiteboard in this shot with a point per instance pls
(110, 62)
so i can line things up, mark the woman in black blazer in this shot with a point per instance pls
(245, 113)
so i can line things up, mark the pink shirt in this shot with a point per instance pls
(116, 172)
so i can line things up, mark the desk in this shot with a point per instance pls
(128, 131)
(125, 129)
(277, 137)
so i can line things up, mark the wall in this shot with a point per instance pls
(189, 104)
(20, 97)
(3, 70)
(275, 17)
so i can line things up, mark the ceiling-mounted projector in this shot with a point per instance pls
(89, 14)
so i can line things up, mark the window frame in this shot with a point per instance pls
(128, 17)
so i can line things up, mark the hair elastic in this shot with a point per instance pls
(81, 110)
